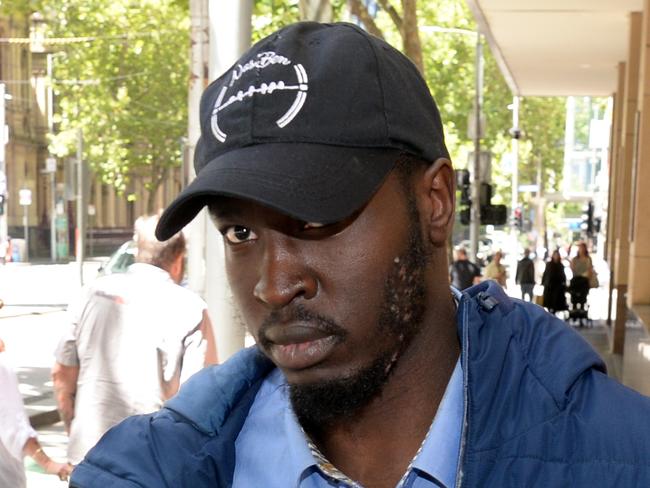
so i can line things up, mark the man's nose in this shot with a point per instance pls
(284, 275)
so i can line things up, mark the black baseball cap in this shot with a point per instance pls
(309, 122)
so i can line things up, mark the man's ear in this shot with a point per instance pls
(439, 191)
(176, 268)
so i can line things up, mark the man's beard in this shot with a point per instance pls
(320, 405)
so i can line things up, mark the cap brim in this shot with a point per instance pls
(310, 182)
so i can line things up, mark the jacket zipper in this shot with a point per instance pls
(464, 364)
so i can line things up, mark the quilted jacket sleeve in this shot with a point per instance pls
(142, 451)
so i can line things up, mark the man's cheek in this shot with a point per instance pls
(243, 290)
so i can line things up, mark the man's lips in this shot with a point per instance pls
(295, 347)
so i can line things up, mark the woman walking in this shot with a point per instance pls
(554, 282)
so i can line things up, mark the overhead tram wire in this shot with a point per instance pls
(79, 39)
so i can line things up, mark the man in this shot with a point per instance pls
(525, 276)
(462, 272)
(323, 164)
(129, 340)
(495, 270)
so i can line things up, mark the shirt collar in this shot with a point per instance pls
(438, 456)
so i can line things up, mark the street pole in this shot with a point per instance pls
(81, 210)
(515, 152)
(515, 133)
(199, 53)
(53, 216)
(26, 231)
(3, 142)
(230, 36)
(52, 168)
(475, 182)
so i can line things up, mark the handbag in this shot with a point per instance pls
(593, 279)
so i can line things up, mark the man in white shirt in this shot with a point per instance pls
(129, 338)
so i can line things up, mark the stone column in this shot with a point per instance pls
(623, 181)
(110, 207)
(614, 161)
(141, 197)
(99, 203)
(121, 216)
(639, 271)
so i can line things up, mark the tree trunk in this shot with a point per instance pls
(157, 177)
(407, 26)
(360, 11)
(316, 10)
(411, 34)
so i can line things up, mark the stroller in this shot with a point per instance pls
(579, 310)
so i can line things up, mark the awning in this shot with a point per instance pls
(557, 47)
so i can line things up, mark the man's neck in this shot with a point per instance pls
(376, 446)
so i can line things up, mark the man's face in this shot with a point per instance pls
(332, 306)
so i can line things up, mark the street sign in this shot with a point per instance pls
(485, 165)
(471, 125)
(528, 188)
(50, 165)
(25, 196)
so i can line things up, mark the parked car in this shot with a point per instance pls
(120, 260)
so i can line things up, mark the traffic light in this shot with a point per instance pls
(494, 214)
(463, 184)
(587, 224)
(490, 215)
(518, 218)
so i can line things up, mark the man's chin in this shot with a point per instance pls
(320, 404)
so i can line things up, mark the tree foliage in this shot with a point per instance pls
(130, 99)
(446, 49)
(125, 88)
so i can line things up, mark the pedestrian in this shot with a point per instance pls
(334, 195)
(8, 250)
(554, 282)
(495, 270)
(525, 276)
(463, 272)
(17, 437)
(129, 338)
(583, 268)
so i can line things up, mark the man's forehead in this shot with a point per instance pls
(230, 208)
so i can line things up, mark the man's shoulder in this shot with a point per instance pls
(212, 394)
(143, 450)
(190, 442)
(543, 402)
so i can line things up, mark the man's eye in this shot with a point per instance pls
(312, 225)
(237, 234)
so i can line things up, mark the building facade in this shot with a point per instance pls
(28, 105)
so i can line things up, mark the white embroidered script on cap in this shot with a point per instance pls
(261, 61)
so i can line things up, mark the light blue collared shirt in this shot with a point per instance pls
(272, 450)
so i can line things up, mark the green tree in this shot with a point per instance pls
(449, 54)
(125, 87)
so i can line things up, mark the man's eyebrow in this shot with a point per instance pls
(225, 211)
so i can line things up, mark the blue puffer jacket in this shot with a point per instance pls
(539, 411)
